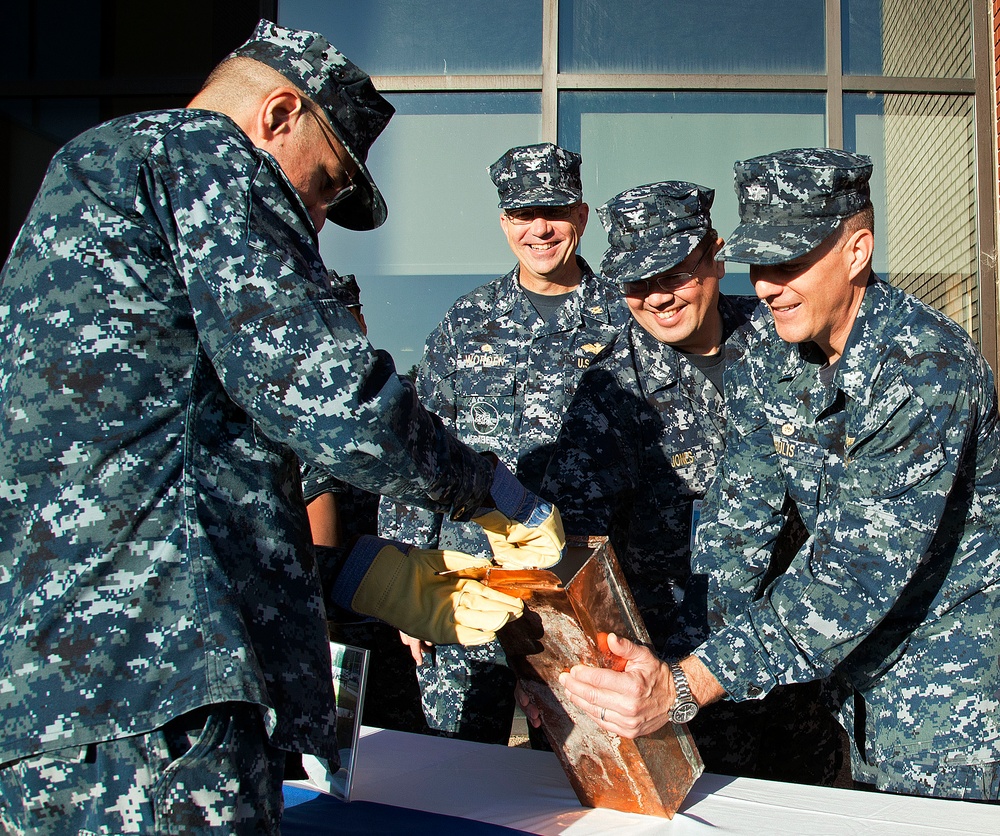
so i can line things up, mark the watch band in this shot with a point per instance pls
(684, 708)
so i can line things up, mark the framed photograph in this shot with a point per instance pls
(350, 675)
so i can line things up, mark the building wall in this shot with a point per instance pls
(930, 172)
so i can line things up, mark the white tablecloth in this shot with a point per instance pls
(528, 790)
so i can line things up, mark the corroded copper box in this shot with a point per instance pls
(568, 613)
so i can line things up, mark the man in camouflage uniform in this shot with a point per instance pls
(642, 441)
(878, 417)
(170, 349)
(339, 513)
(500, 370)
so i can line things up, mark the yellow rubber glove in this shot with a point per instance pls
(524, 530)
(407, 590)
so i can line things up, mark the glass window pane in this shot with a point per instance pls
(924, 192)
(628, 139)
(679, 36)
(922, 38)
(446, 37)
(442, 237)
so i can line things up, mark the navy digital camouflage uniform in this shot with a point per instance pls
(169, 350)
(639, 446)
(392, 697)
(500, 378)
(895, 469)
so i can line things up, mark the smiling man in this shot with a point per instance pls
(500, 370)
(641, 443)
(877, 416)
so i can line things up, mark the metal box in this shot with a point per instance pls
(568, 613)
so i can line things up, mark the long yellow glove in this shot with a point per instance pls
(524, 530)
(407, 590)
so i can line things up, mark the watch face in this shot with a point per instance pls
(684, 712)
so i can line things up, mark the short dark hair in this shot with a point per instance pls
(865, 219)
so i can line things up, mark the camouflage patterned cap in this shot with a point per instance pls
(537, 175)
(791, 201)
(345, 289)
(357, 112)
(653, 228)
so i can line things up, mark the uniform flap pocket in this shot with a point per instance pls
(803, 467)
(896, 447)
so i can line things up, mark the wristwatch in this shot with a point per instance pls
(684, 708)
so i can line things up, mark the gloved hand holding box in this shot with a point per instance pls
(524, 530)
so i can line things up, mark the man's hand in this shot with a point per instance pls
(415, 646)
(531, 712)
(405, 587)
(636, 701)
(629, 703)
(524, 530)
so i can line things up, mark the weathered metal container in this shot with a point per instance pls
(568, 613)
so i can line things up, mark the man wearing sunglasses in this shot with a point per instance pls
(641, 443)
(170, 349)
(500, 370)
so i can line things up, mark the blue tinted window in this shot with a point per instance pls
(628, 139)
(920, 38)
(861, 25)
(924, 194)
(443, 237)
(680, 36)
(400, 37)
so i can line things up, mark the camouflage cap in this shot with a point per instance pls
(791, 201)
(345, 289)
(653, 228)
(357, 112)
(537, 175)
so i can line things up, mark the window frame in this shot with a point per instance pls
(833, 83)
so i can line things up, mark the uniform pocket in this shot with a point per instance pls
(896, 447)
(803, 467)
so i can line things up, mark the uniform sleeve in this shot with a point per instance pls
(411, 523)
(741, 514)
(593, 470)
(882, 543)
(285, 351)
(316, 481)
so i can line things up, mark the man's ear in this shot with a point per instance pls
(720, 266)
(277, 115)
(858, 251)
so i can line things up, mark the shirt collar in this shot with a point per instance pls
(866, 341)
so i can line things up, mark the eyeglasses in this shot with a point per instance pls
(527, 214)
(345, 191)
(340, 196)
(667, 283)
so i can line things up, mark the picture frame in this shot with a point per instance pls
(349, 668)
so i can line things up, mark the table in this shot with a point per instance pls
(528, 791)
